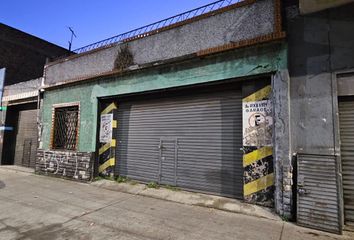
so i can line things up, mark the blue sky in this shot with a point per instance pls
(92, 20)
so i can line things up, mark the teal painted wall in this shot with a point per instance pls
(233, 64)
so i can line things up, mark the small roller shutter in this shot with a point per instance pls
(346, 120)
(317, 198)
(192, 142)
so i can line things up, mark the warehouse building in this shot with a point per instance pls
(23, 57)
(236, 99)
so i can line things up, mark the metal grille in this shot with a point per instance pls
(157, 26)
(65, 127)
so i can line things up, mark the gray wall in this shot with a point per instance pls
(319, 44)
(22, 87)
(238, 24)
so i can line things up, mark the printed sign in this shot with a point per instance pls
(106, 128)
(257, 123)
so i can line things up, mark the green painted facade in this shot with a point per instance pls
(238, 63)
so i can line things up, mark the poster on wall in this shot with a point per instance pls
(106, 128)
(257, 123)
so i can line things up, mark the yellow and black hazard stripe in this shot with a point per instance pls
(258, 172)
(107, 151)
(258, 163)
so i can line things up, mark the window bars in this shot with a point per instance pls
(155, 27)
(65, 127)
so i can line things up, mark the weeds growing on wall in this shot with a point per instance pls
(124, 58)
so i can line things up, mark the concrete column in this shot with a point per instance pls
(282, 144)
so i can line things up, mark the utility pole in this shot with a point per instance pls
(71, 38)
(2, 83)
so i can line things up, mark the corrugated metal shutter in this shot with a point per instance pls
(26, 138)
(346, 121)
(190, 141)
(317, 198)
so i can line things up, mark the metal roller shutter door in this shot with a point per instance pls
(192, 142)
(346, 117)
(26, 138)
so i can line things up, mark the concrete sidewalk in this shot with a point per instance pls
(37, 207)
(189, 198)
(14, 168)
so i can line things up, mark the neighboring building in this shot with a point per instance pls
(211, 104)
(23, 56)
(321, 66)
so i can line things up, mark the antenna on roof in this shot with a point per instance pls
(71, 38)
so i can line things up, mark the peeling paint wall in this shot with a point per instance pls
(243, 62)
(258, 125)
(319, 44)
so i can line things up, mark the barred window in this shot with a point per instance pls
(65, 127)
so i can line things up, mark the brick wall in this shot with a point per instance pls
(66, 164)
(24, 55)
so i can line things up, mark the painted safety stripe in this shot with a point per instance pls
(258, 185)
(110, 108)
(110, 162)
(114, 124)
(256, 155)
(107, 146)
(259, 95)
